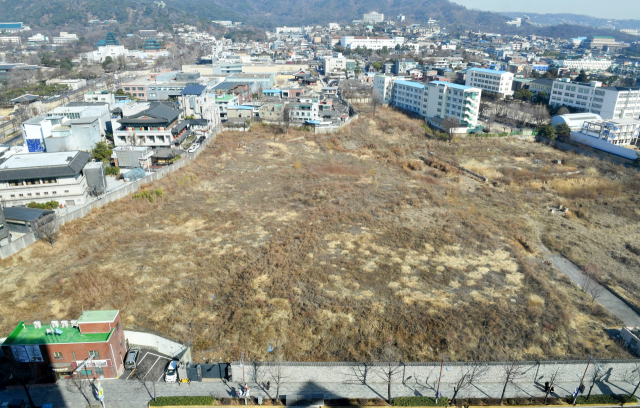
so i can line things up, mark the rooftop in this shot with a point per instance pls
(410, 83)
(98, 316)
(25, 214)
(454, 86)
(28, 334)
(38, 165)
(487, 71)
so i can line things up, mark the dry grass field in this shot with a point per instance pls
(338, 243)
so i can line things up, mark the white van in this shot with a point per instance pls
(171, 373)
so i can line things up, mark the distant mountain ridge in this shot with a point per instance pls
(578, 19)
(139, 14)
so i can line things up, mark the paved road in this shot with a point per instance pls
(131, 394)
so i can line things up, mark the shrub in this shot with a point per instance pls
(149, 194)
(186, 401)
(49, 205)
(112, 171)
(420, 402)
(604, 399)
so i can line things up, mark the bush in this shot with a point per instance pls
(149, 194)
(604, 399)
(49, 205)
(112, 171)
(420, 402)
(186, 401)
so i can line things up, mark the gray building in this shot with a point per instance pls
(266, 81)
(403, 65)
(541, 85)
(23, 219)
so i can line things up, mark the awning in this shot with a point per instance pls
(61, 367)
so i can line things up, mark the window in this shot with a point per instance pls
(66, 191)
(94, 353)
(98, 370)
(54, 192)
(21, 195)
(57, 355)
(13, 196)
(85, 372)
(37, 194)
(73, 354)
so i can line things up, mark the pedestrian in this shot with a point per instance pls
(268, 385)
(246, 394)
(239, 392)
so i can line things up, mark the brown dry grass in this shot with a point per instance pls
(336, 243)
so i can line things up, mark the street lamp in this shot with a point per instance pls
(581, 386)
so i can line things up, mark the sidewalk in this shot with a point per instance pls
(126, 394)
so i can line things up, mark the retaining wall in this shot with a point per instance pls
(604, 146)
(161, 344)
(492, 372)
(28, 239)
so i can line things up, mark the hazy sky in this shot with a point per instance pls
(618, 9)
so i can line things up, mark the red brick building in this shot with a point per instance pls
(60, 346)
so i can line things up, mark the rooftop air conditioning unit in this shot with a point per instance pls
(64, 323)
(37, 324)
(74, 323)
(55, 324)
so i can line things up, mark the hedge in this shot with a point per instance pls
(186, 401)
(420, 402)
(604, 399)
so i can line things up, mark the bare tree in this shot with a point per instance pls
(46, 228)
(277, 371)
(632, 376)
(510, 371)
(449, 124)
(376, 100)
(589, 282)
(549, 385)
(563, 111)
(469, 376)
(391, 366)
(287, 116)
(596, 376)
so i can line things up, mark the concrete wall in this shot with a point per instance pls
(604, 146)
(26, 240)
(357, 373)
(161, 344)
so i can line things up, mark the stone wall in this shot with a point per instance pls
(492, 372)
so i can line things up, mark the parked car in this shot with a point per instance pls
(131, 360)
(171, 372)
(201, 139)
(193, 148)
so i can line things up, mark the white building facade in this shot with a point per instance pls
(383, 85)
(373, 17)
(623, 132)
(586, 64)
(490, 80)
(372, 43)
(610, 102)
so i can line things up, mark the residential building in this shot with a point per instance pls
(271, 112)
(541, 85)
(383, 85)
(373, 17)
(588, 64)
(42, 177)
(150, 127)
(90, 347)
(197, 102)
(304, 109)
(372, 43)
(224, 101)
(104, 96)
(609, 102)
(408, 95)
(499, 82)
(443, 99)
(332, 64)
(623, 132)
(65, 38)
(402, 65)
(82, 110)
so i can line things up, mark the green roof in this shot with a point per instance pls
(30, 335)
(225, 97)
(98, 316)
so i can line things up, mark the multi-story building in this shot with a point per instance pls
(623, 132)
(151, 127)
(37, 39)
(65, 38)
(611, 102)
(196, 101)
(438, 99)
(9, 40)
(373, 17)
(372, 43)
(599, 41)
(224, 101)
(304, 109)
(92, 346)
(332, 64)
(490, 80)
(42, 177)
(56, 133)
(402, 65)
(588, 64)
(443, 99)
(13, 27)
(271, 112)
(288, 30)
(383, 86)
(541, 85)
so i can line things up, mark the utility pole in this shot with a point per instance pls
(242, 364)
(439, 378)
(577, 392)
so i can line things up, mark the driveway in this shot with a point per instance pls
(151, 365)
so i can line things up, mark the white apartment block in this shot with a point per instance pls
(490, 80)
(305, 109)
(623, 132)
(288, 30)
(65, 37)
(611, 102)
(373, 17)
(586, 64)
(383, 85)
(9, 40)
(372, 43)
(43, 177)
(438, 99)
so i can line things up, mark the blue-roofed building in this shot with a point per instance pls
(499, 82)
(408, 95)
(13, 27)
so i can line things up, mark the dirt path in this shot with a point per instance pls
(607, 299)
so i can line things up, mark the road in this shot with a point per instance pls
(133, 394)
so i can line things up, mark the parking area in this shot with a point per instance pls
(150, 367)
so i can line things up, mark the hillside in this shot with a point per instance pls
(577, 19)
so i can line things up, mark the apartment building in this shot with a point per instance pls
(304, 109)
(271, 112)
(92, 346)
(373, 18)
(490, 80)
(622, 132)
(588, 64)
(612, 102)
(42, 177)
(9, 40)
(402, 65)
(372, 43)
(331, 64)
(408, 95)
(383, 85)
(196, 101)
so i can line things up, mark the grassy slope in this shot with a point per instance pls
(335, 243)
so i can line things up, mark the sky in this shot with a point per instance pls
(614, 9)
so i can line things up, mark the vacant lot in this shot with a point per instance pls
(335, 244)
